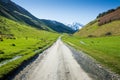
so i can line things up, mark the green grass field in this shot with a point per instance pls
(105, 50)
(22, 48)
(19, 42)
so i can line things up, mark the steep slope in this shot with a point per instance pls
(20, 43)
(115, 15)
(13, 11)
(58, 27)
(106, 25)
(10, 29)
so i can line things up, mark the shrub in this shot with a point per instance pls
(105, 13)
(13, 45)
(39, 47)
(1, 52)
(91, 36)
(1, 39)
(14, 38)
(108, 34)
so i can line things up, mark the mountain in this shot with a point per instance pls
(76, 26)
(57, 26)
(106, 24)
(14, 12)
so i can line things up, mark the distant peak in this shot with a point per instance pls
(75, 25)
(5, 1)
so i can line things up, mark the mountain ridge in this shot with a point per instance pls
(15, 12)
(6, 1)
(57, 26)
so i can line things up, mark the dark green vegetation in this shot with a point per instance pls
(15, 12)
(107, 12)
(106, 50)
(115, 15)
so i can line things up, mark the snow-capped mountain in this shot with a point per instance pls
(75, 26)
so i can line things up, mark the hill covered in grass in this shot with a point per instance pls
(100, 39)
(15, 12)
(19, 43)
(10, 28)
(106, 25)
(22, 37)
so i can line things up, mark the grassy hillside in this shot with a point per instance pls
(19, 43)
(106, 50)
(100, 39)
(106, 24)
(18, 29)
(15, 12)
(94, 30)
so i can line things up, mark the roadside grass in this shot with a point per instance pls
(19, 42)
(23, 48)
(105, 50)
(12, 48)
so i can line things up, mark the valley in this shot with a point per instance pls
(43, 49)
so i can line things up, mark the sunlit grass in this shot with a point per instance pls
(95, 30)
(105, 50)
(26, 41)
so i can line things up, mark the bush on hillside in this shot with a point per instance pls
(13, 45)
(91, 36)
(105, 13)
(1, 39)
(115, 15)
(108, 34)
(1, 52)
(118, 7)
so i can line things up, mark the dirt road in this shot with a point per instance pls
(58, 64)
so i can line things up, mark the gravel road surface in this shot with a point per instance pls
(57, 63)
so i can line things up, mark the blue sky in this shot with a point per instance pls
(68, 11)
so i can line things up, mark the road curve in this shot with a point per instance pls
(58, 64)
